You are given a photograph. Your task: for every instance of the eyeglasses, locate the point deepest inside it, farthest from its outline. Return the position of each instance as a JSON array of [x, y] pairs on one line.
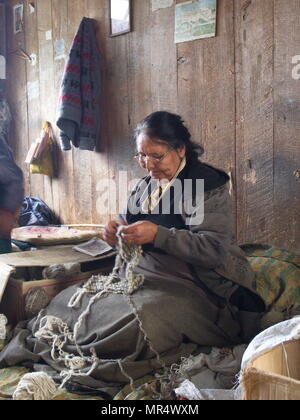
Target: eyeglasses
[[141, 158]]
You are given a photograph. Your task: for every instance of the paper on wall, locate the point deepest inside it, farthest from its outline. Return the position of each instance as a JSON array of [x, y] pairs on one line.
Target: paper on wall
[[33, 90], [161, 4], [33, 59], [59, 49], [48, 35], [31, 7]]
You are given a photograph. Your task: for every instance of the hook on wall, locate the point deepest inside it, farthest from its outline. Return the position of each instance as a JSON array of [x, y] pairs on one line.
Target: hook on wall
[[20, 52]]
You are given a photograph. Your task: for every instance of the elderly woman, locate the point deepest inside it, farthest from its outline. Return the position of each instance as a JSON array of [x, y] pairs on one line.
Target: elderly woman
[[190, 285], [204, 251]]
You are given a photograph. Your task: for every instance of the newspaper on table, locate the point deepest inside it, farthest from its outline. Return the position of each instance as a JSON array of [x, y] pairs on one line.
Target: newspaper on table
[[94, 247]]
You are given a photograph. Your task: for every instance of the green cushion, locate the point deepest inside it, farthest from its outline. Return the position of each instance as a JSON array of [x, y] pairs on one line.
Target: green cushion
[[277, 275], [5, 246]]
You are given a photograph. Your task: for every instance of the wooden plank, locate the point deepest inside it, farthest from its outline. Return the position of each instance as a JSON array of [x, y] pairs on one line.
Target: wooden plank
[[3, 55], [3, 28], [254, 126], [16, 92], [139, 63], [118, 117], [163, 88], [206, 89], [140, 92], [51, 93], [206, 92], [52, 255], [286, 126], [33, 93], [81, 159], [3, 67], [99, 158], [44, 14], [63, 194]]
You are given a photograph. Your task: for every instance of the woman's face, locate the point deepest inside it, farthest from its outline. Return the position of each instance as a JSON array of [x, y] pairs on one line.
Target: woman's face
[[160, 160]]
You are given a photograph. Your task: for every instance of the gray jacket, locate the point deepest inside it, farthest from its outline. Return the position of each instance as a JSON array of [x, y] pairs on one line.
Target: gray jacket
[[210, 247], [11, 179]]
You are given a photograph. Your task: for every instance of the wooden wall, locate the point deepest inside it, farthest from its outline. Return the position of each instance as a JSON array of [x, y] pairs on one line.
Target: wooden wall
[[238, 93]]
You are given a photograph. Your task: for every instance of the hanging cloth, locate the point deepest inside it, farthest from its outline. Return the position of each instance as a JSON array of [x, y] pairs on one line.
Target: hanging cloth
[[78, 107]]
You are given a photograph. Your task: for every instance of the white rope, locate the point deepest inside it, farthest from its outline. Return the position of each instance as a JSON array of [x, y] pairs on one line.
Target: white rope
[[35, 386], [3, 327], [57, 333]]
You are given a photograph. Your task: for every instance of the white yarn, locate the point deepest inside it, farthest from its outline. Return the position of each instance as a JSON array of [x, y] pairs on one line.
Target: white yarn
[[35, 386], [3, 323], [127, 254], [57, 334]]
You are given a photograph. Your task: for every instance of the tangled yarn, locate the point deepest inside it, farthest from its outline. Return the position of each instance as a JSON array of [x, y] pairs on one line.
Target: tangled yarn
[[58, 271], [35, 299], [57, 333], [128, 255], [35, 386], [3, 322]]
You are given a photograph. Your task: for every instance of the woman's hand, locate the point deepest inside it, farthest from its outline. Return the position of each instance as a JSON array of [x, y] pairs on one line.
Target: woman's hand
[[139, 233], [110, 230]]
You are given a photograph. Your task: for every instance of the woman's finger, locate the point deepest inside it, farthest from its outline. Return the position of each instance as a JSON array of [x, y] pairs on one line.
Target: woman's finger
[[129, 238], [128, 229]]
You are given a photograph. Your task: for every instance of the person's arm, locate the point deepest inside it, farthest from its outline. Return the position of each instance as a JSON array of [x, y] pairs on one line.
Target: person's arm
[[11, 185], [203, 244], [11, 194]]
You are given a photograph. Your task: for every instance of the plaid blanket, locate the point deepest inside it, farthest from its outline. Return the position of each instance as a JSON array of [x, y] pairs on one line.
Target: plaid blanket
[[277, 275]]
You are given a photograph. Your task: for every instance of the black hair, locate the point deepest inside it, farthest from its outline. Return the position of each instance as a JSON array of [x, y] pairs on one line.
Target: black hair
[[165, 127]]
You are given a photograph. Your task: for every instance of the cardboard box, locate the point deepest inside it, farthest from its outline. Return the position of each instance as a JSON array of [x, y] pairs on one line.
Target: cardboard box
[[274, 374], [14, 290]]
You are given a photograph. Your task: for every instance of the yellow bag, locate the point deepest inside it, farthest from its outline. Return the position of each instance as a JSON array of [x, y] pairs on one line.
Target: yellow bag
[[43, 164]]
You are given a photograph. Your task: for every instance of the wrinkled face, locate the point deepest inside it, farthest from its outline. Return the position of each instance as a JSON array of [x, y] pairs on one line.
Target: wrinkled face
[[160, 160]]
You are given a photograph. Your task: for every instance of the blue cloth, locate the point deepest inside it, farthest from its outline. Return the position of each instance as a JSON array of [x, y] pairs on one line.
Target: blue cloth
[[35, 212]]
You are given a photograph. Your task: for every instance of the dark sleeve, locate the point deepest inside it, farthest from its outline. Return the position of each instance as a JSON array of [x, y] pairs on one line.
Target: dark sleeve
[[11, 182], [205, 243]]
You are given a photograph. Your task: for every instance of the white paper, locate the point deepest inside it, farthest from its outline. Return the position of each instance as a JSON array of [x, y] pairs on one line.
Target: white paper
[[33, 90], [18, 18], [33, 58], [59, 49], [195, 20], [161, 4], [48, 35], [31, 8], [94, 247]]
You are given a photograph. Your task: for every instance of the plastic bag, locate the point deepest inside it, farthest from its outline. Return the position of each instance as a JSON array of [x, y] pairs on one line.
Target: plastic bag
[[35, 211], [42, 163]]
